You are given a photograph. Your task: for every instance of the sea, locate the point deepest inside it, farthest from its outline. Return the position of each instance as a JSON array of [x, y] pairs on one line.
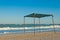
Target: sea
[[29, 28]]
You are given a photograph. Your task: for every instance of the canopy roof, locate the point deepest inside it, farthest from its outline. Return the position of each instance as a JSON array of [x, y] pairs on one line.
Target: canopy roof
[[38, 15]]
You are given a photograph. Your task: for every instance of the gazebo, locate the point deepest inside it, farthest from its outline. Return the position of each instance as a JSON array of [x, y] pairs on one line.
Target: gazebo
[[36, 15]]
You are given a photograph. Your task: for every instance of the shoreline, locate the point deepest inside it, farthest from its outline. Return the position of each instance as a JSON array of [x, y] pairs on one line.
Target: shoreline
[[31, 36]]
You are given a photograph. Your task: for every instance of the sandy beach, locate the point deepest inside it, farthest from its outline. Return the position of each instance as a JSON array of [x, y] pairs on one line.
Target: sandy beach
[[30, 36]]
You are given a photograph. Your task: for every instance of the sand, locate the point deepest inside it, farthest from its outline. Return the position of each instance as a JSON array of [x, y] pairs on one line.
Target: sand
[[31, 36]]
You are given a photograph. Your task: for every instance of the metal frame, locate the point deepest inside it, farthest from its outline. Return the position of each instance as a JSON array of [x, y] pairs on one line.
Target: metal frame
[[39, 23], [53, 24]]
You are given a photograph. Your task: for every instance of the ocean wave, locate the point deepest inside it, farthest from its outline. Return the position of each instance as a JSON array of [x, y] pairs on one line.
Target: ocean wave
[[21, 28]]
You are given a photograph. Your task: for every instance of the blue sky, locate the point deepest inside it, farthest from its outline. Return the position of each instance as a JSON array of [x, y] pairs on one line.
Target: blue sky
[[12, 11]]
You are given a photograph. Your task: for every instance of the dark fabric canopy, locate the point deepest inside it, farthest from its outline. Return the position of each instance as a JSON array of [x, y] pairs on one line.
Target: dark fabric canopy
[[38, 15]]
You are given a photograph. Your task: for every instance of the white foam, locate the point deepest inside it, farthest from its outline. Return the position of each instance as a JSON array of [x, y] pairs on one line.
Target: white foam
[[21, 28], [5, 32], [56, 26], [8, 28], [8, 32]]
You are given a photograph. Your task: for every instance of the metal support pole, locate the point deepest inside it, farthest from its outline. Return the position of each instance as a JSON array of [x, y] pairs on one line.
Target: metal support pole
[[39, 24], [34, 26], [39, 28], [24, 25], [53, 24]]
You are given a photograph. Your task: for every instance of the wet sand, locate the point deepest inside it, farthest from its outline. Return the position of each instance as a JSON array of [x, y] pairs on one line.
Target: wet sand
[[31, 36]]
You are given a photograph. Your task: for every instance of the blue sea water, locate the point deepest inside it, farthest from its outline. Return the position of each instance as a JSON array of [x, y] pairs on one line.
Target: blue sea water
[[11, 29]]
